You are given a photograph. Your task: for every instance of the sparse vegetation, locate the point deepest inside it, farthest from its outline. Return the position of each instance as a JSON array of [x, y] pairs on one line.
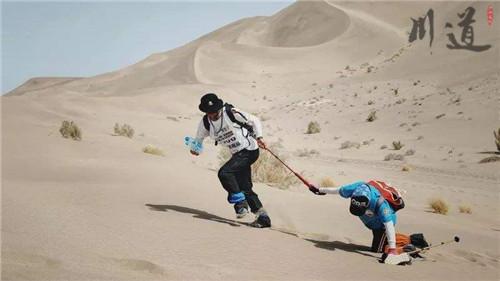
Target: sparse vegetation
[[410, 152], [349, 144], [123, 130], [394, 156], [372, 116], [266, 169], [151, 149], [69, 129], [497, 138], [465, 209], [439, 206], [306, 152], [327, 182], [383, 147], [313, 128], [405, 168], [397, 145]]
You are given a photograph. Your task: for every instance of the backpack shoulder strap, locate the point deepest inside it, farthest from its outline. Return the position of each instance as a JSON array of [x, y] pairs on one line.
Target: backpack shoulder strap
[[229, 111], [228, 108], [206, 124]]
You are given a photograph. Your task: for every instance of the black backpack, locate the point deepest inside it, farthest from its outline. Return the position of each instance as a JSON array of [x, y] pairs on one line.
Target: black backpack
[[228, 108]]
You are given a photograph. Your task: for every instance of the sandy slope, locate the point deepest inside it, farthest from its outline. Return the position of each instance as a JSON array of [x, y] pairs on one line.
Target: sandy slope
[[101, 209]]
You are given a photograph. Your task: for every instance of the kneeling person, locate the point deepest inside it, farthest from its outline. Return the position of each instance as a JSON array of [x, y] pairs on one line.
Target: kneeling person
[[375, 212]]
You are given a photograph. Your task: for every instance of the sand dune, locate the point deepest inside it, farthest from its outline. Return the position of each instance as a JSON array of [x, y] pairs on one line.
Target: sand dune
[[100, 208]]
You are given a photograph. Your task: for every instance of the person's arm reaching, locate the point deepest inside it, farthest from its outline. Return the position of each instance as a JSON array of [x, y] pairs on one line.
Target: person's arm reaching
[[325, 190], [390, 232], [345, 190], [201, 134]]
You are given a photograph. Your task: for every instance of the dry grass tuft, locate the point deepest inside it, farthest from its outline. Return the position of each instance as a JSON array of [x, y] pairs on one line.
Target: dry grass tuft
[[123, 130], [410, 152], [394, 156], [372, 116], [439, 206], [151, 149], [327, 182], [266, 169], [313, 128], [405, 169], [349, 144], [465, 209], [397, 145], [70, 130]]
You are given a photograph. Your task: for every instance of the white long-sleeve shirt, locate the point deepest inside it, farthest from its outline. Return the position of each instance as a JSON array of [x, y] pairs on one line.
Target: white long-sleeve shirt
[[230, 134]]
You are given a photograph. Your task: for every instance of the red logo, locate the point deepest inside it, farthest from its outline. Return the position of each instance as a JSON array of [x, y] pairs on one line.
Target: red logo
[[489, 14]]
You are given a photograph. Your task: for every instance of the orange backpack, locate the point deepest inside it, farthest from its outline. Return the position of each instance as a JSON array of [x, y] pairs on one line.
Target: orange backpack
[[389, 193]]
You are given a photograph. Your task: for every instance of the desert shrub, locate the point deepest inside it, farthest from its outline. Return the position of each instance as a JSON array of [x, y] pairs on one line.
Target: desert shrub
[[383, 146], [349, 144], [70, 130], [439, 206], [405, 169], [465, 209], [497, 138], [313, 128], [327, 182], [394, 156], [267, 169], [410, 152], [372, 116], [123, 130], [397, 145], [151, 149]]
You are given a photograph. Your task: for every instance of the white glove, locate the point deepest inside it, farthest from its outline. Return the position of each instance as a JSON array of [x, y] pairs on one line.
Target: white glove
[[397, 259]]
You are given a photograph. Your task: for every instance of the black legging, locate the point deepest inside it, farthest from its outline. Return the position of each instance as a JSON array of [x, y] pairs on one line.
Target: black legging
[[236, 176], [379, 240]]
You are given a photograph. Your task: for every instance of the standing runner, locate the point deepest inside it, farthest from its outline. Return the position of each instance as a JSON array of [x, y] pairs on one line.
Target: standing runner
[[241, 132]]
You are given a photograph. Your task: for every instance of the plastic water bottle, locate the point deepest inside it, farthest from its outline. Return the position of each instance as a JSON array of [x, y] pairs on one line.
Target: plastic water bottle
[[193, 144]]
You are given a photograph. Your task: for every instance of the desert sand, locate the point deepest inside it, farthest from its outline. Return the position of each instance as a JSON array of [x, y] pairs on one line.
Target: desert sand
[[101, 209]]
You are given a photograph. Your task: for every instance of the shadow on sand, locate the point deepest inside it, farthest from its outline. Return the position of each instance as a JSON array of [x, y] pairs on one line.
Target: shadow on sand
[[327, 245], [196, 214]]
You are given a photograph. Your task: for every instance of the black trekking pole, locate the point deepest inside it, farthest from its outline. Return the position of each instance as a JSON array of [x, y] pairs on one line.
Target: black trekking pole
[[295, 173], [455, 239]]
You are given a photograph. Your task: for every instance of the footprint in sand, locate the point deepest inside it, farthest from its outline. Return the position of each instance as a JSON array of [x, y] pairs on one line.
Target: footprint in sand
[[16, 266], [479, 259]]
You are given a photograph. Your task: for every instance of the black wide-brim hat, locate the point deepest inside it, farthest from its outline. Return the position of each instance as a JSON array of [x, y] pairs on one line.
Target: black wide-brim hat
[[210, 103], [359, 204]]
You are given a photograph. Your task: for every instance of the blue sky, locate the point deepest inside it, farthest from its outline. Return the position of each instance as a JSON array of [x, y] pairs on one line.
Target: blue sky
[[80, 38]]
